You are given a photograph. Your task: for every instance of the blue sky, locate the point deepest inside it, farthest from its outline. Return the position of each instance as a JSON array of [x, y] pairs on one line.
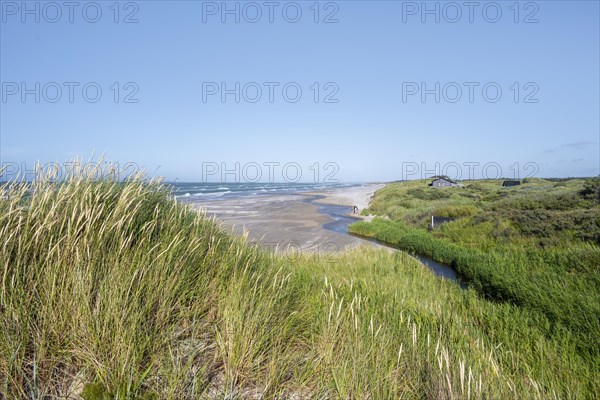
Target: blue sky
[[374, 58]]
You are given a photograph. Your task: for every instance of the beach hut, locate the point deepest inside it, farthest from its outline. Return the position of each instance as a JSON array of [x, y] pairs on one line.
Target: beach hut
[[443, 181]]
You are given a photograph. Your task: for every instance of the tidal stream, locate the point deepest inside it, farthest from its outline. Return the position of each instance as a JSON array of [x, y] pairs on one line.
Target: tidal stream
[[340, 223]]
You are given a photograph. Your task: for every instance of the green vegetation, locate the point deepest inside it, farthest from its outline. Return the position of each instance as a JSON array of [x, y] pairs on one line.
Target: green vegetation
[[533, 245], [112, 290]]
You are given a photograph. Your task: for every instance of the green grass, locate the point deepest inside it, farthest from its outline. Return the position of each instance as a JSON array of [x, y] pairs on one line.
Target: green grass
[[112, 290], [548, 265]]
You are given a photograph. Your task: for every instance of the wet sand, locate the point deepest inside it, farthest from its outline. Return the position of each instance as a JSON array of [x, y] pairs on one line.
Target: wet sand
[[290, 222], [359, 196]]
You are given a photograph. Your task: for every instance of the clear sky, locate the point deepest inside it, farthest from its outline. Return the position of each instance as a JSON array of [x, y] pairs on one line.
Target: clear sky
[[371, 60]]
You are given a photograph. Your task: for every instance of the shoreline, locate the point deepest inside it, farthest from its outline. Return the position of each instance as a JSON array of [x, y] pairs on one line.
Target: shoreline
[[291, 222], [359, 196]]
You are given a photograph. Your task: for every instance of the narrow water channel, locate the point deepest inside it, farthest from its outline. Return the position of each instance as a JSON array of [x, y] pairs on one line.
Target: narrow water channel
[[340, 223]]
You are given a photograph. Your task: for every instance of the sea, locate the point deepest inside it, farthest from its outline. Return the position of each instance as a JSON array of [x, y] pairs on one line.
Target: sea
[[222, 190]]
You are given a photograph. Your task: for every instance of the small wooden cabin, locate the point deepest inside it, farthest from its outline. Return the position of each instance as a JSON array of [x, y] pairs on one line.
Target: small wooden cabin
[[443, 181]]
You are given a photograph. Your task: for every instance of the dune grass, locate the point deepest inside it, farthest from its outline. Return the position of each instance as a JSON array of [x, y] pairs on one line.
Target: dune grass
[[113, 290], [534, 245]]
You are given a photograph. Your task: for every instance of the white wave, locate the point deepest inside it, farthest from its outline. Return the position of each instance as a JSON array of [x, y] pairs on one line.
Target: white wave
[[214, 194]]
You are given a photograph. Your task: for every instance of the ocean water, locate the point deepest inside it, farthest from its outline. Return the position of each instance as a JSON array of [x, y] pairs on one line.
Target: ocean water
[[212, 190]]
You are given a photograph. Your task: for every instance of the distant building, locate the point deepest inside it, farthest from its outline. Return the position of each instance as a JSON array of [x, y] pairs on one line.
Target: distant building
[[443, 181], [510, 183]]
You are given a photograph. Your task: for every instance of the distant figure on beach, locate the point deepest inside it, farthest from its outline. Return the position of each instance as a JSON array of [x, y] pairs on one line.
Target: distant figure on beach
[[354, 209]]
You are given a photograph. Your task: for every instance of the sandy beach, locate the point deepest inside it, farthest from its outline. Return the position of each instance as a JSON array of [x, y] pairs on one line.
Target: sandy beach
[[291, 222], [359, 196]]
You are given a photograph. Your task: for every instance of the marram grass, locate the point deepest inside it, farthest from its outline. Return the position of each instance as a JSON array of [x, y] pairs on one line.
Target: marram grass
[[113, 290]]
